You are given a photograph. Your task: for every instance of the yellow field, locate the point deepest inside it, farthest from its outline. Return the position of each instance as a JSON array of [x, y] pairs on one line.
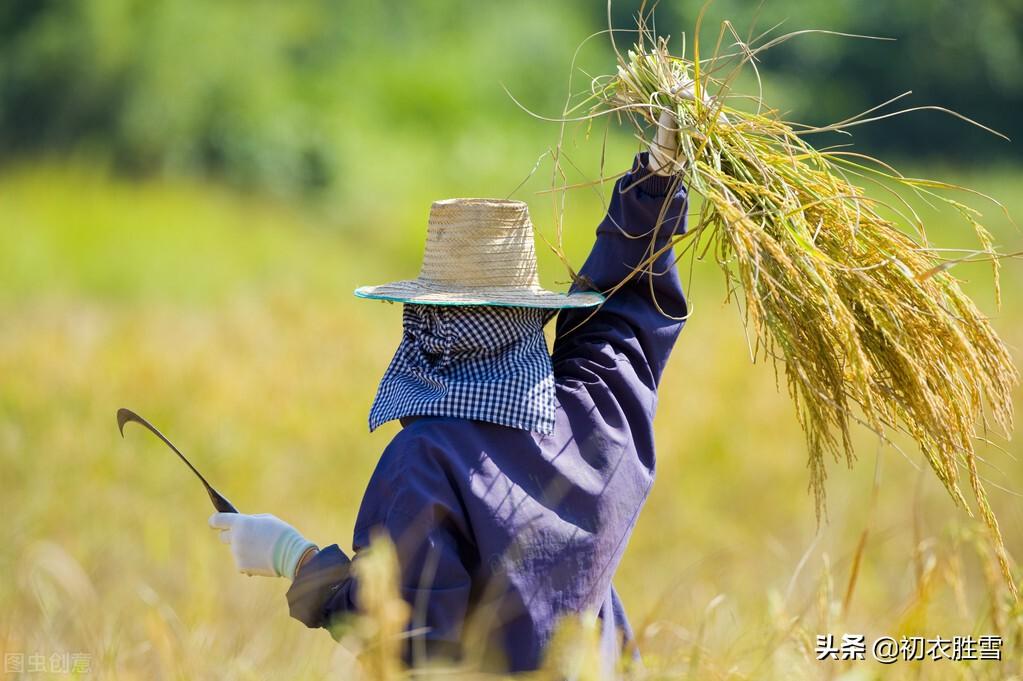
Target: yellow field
[[229, 322]]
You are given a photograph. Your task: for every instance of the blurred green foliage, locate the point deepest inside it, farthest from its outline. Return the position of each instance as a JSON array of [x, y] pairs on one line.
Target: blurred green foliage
[[291, 97]]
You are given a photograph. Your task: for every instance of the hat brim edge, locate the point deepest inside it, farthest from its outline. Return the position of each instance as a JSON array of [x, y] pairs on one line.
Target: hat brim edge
[[421, 296]]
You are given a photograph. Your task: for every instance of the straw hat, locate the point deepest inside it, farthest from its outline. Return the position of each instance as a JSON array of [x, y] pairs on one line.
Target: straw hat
[[478, 252]]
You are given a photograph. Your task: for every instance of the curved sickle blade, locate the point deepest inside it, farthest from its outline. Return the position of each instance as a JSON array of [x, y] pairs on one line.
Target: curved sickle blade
[[220, 502]]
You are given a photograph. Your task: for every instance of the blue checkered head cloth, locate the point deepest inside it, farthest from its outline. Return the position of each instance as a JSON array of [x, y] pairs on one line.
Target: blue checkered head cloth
[[476, 362]]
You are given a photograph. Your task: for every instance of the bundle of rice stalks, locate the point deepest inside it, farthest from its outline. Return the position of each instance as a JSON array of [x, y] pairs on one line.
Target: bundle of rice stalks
[[866, 320]]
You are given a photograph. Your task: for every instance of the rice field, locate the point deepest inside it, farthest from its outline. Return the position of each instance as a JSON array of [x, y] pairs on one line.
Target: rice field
[[228, 320]]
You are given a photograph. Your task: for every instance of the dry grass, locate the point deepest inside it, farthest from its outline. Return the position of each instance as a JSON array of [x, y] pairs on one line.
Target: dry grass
[[866, 320], [260, 364]]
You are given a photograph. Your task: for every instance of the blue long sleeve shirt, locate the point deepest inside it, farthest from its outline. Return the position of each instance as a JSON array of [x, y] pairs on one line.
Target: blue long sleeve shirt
[[500, 532]]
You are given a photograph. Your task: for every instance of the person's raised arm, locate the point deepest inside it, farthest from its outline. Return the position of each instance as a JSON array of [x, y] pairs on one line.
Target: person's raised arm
[[626, 342]]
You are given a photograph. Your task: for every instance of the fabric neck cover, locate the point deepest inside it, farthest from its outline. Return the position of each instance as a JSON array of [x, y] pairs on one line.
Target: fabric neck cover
[[482, 363]]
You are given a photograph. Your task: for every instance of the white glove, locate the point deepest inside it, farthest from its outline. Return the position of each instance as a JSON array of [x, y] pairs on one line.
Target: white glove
[[664, 149], [664, 157], [262, 544]]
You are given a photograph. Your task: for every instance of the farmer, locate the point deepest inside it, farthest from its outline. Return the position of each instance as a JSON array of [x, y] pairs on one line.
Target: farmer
[[513, 487]]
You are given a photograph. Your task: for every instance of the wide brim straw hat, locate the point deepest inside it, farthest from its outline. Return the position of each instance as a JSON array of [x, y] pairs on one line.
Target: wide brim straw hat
[[479, 252]]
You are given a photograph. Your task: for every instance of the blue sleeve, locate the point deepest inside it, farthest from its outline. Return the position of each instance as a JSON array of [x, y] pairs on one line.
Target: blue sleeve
[[623, 346], [322, 589], [409, 497]]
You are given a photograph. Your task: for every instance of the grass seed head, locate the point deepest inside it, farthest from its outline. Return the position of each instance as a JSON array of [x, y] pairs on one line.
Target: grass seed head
[[866, 320]]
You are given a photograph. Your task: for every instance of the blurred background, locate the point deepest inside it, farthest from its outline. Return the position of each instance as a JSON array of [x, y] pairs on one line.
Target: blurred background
[[189, 192]]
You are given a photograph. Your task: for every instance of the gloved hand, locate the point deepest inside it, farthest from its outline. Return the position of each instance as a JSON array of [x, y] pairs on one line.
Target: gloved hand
[[262, 544], [664, 157]]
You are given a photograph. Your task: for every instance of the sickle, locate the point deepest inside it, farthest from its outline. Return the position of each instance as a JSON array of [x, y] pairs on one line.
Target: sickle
[[220, 502]]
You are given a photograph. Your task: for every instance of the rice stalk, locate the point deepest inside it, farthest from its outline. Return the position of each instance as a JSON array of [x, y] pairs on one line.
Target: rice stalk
[[385, 613], [867, 321]]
